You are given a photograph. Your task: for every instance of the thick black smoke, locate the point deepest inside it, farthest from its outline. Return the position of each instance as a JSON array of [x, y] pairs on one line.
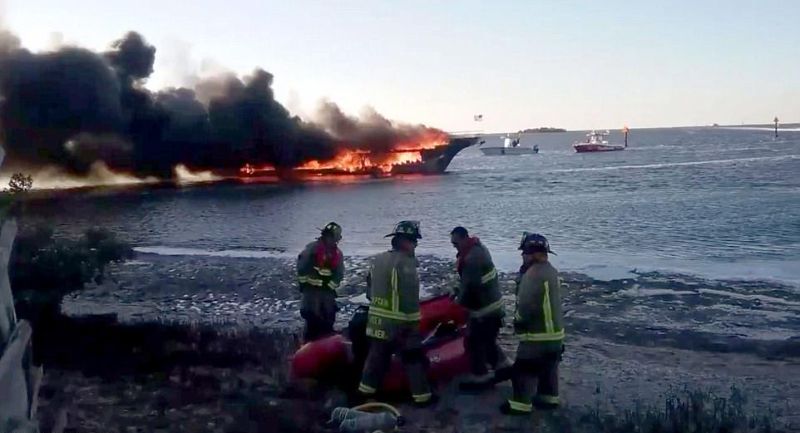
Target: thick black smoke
[[371, 131], [49, 99], [73, 107]]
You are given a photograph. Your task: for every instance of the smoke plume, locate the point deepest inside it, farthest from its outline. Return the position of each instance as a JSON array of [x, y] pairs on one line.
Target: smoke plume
[[75, 110], [371, 131]]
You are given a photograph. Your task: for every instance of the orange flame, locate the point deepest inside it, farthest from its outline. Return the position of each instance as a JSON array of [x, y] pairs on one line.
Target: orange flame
[[358, 161]]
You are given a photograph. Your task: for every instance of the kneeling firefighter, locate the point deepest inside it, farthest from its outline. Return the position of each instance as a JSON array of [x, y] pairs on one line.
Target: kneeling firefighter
[[479, 293], [394, 315], [538, 323], [320, 269]]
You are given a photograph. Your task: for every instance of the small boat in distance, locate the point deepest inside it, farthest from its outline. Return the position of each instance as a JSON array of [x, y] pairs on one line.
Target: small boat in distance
[[598, 142], [511, 146]]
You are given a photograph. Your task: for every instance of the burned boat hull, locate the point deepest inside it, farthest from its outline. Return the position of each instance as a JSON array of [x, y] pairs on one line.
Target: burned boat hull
[[431, 161], [436, 160]]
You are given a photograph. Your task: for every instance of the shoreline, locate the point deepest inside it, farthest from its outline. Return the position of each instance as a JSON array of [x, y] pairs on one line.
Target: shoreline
[[590, 267], [221, 306], [650, 309]]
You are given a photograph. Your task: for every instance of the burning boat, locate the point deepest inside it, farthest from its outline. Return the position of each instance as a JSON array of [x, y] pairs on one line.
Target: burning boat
[[430, 157]]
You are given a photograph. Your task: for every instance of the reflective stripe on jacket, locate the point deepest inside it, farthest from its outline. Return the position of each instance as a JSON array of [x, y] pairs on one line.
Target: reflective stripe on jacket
[[479, 290], [394, 294], [309, 275], [539, 317]]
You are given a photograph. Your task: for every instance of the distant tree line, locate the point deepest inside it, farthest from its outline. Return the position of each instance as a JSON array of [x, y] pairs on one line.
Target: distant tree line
[[542, 129]]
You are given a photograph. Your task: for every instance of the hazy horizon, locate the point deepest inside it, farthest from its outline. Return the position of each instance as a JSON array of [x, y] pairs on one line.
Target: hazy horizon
[[572, 65]]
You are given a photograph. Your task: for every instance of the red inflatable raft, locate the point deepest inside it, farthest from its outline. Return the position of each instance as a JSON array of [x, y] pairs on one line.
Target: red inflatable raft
[[442, 324]]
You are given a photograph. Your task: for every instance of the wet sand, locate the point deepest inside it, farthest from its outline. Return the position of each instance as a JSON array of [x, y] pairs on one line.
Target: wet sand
[[610, 366]]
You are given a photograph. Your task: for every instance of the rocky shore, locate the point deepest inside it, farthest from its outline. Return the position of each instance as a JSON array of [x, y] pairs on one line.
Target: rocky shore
[[198, 343]]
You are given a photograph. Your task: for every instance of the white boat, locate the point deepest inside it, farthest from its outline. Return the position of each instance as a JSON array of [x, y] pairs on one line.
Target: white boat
[[511, 146]]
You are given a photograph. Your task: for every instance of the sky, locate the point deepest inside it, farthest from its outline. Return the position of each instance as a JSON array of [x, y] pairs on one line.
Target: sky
[[521, 64]]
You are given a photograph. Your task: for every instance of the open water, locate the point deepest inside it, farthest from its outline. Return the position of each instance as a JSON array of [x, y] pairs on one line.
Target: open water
[[702, 223]]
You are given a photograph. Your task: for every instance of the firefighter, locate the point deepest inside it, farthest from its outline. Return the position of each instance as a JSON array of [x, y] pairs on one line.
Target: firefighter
[[394, 315], [320, 268], [479, 293], [538, 323]]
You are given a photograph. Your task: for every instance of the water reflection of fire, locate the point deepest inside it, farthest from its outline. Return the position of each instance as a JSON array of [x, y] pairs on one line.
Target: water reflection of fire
[[361, 161]]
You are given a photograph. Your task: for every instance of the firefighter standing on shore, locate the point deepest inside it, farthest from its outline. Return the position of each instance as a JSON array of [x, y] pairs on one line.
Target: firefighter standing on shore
[[394, 315], [538, 323], [320, 269], [479, 293]]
